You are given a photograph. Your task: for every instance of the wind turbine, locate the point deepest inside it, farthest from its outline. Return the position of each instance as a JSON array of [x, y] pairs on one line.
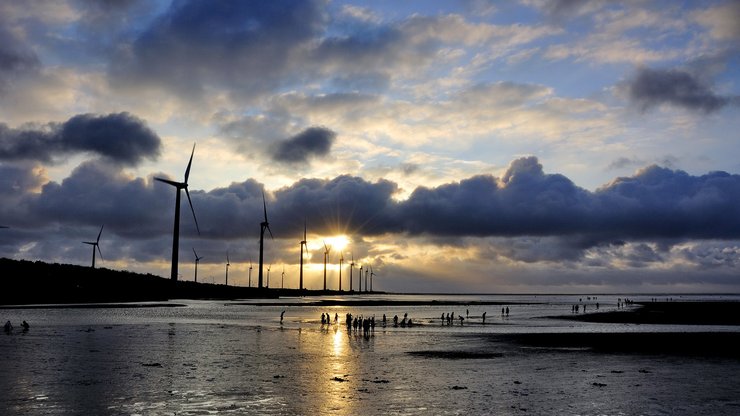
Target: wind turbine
[[265, 225], [95, 245], [341, 260], [351, 266], [227, 267], [282, 279], [359, 279], [197, 260], [326, 254], [366, 272], [371, 278], [176, 233], [250, 272], [268, 276], [303, 243]]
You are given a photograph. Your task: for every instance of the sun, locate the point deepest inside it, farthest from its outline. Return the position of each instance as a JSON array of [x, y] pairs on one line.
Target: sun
[[337, 243]]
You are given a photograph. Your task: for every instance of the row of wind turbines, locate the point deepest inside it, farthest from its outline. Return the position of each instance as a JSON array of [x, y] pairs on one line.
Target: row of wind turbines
[[264, 226]]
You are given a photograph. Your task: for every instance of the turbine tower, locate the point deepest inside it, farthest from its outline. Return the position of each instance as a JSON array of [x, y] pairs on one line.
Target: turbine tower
[[268, 276], [371, 278], [359, 280], [303, 243], [227, 267], [250, 273], [366, 272], [176, 233], [326, 254], [282, 279], [264, 225], [351, 266], [197, 260], [95, 245], [341, 260]]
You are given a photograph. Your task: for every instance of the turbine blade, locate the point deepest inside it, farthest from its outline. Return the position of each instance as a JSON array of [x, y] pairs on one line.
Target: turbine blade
[[99, 252], [196, 254], [101, 232], [192, 210], [264, 205], [304, 229], [187, 171], [270, 231], [169, 182], [227, 258]]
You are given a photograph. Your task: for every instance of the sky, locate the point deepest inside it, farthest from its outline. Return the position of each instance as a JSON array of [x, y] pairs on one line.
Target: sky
[[526, 146]]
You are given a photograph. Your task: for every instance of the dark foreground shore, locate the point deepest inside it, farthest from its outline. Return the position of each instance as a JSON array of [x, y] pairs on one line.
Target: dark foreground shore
[[666, 313]]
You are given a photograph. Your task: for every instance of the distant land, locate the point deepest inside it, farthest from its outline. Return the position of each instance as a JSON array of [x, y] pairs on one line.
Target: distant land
[[34, 282]]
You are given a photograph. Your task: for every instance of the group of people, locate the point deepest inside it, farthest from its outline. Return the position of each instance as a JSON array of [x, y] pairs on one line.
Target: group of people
[[449, 319], [365, 325], [9, 327]]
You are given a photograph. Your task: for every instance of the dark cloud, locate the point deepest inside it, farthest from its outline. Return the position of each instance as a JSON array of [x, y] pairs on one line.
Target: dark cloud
[[653, 87], [16, 59], [14, 55], [310, 143], [246, 47], [656, 203], [121, 138], [524, 201], [345, 204]]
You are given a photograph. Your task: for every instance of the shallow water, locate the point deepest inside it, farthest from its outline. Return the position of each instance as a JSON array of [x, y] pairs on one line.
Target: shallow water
[[231, 358]]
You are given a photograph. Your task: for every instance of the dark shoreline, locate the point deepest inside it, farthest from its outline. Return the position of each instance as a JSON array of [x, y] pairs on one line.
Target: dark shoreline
[[667, 313]]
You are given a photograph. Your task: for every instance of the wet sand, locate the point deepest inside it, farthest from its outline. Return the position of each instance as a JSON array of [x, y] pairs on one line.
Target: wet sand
[[206, 358]]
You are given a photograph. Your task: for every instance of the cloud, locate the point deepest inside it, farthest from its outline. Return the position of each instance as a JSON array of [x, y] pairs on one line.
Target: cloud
[[121, 138], [16, 59], [244, 47], [310, 143], [652, 87], [721, 20]]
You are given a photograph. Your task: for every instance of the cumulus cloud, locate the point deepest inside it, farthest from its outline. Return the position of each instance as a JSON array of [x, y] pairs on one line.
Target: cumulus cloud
[[310, 143], [121, 138], [652, 87]]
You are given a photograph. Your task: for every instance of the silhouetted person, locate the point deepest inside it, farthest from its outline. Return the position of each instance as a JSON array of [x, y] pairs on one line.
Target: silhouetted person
[[507, 311], [281, 316], [443, 318], [411, 322], [8, 326], [467, 313], [336, 317], [484, 317], [461, 320], [323, 319], [384, 320]]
